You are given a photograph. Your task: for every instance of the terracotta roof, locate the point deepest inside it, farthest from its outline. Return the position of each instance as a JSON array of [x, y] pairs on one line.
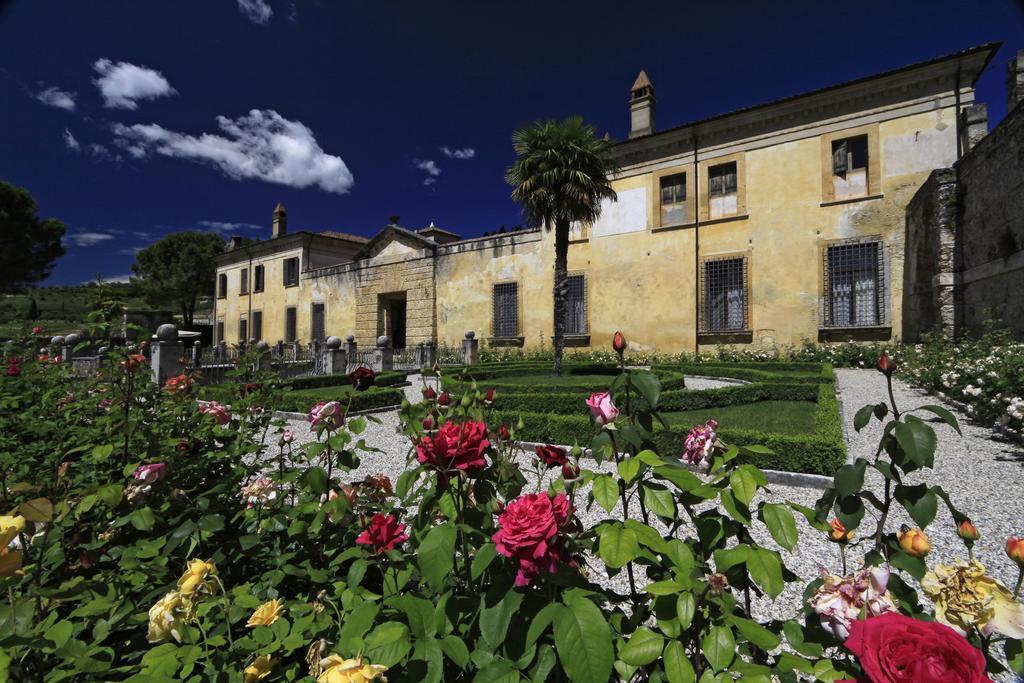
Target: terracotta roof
[[642, 81], [344, 236]]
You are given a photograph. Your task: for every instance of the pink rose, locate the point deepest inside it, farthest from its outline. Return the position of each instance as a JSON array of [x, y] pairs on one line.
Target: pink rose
[[455, 446], [326, 415], [287, 436], [218, 411], [529, 533], [601, 408], [700, 443], [150, 474], [384, 533]]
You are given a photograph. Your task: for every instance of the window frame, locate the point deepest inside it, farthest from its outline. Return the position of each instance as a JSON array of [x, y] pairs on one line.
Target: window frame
[[218, 331], [285, 269], [243, 329], [882, 286], [258, 278], [705, 300], [257, 325], [873, 174], [222, 285], [725, 191], [518, 332], [312, 321], [586, 305], [291, 328], [704, 195], [243, 281]]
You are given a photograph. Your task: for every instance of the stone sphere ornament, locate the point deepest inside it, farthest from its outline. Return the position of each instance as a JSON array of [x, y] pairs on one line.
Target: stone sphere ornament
[[72, 339], [382, 341], [333, 342], [350, 338], [167, 333], [470, 334], [57, 341]]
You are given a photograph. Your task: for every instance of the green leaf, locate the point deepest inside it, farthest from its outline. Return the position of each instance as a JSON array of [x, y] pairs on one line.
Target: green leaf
[[658, 500], [643, 647], [679, 475], [484, 556], [719, 647], [388, 644], [914, 566], [919, 501], [606, 491], [455, 650], [143, 519], [668, 587], [795, 637], [354, 627], [648, 385], [755, 633], [619, 545], [863, 416], [497, 671], [849, 479], [743, 486], [648, 536], [541, 621], [850, 510], [1015, 656], [686, 607], [726, 558], [315, 479], [584, 641], [419, 612], [736, 510], [946, 416], [765, 569], [436, 555], [101, 452], [917, 440], [629, 468], [59, 633], [677, 666], [494, 620], [781, 524], [211, 522]]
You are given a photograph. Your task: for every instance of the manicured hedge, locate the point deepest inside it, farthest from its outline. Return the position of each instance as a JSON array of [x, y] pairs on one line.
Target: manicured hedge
[[383, 379], [300, 402]]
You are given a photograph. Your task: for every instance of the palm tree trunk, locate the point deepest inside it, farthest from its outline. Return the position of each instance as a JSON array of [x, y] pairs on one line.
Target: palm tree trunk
[[560, 289]]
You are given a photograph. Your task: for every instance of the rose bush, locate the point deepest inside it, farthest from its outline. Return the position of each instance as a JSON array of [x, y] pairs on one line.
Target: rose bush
[[148, 536]]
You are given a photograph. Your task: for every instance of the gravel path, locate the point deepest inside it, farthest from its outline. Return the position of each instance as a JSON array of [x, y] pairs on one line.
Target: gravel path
[[981, 471]]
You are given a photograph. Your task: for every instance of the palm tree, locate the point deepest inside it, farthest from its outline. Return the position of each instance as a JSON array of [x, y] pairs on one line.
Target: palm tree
[[560, 176]]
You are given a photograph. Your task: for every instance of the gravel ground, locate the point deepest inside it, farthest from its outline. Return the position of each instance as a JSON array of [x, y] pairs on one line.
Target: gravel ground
[[978, 470]]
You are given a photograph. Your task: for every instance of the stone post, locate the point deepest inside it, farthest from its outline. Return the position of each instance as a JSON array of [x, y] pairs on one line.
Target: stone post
[[222, 348], [417, 357], [974, 125], [335, 360], [263, 357], [67, 349], [470, 348], [197, 354], [429, 354], [350, 350], [383, 356], [166, 353]]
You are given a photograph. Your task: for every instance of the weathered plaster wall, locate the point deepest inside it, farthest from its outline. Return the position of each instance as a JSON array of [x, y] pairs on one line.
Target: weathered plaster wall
[[272, 301]]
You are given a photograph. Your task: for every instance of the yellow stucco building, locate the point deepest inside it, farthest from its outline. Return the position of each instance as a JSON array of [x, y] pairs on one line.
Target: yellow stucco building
[[771, 225]]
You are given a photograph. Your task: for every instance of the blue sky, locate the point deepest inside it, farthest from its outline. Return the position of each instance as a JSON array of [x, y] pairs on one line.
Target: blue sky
[[129, 120]]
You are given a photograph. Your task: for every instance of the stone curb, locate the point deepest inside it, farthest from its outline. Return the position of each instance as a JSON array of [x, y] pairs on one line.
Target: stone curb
[[781, 477], [962, 407]]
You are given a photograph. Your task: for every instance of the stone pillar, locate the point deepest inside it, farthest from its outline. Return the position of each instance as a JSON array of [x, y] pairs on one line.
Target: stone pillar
[[973, 125], [166, 353], [470, 348], [197, 354], [1015, 81], [222, 349], [335, 360], [418, 355], [383, 356], [350, 350], [263, 357], [67, 348], [56, 344], [429, 354]]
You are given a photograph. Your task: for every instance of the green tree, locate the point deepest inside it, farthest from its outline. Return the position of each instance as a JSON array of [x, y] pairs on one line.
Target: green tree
[[560, 176], [177, 270], [33, 309], [29, 246]]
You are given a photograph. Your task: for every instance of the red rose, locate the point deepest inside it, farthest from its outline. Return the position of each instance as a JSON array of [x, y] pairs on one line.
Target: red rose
[[362, 378], [528, 533], [504, 433], [384, 533], [893, 648], [886, 365], [552, 456], [429, 394], [619, 342], [455, 446], [489, 396], [444, 399]]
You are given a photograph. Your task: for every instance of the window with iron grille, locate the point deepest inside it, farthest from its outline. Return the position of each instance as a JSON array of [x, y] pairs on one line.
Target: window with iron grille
[[854, 285], [722, 179], [291, 323], [222, 286], [318, 333], [243, 281], [257, 279], [257, 325], [505, 312], [673, 199], [724, 289], [291, 271], [243, 329], [576, 305]]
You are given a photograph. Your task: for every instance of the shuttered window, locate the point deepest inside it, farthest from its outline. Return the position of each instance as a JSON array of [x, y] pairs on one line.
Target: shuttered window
[[576, 305], [291, 323], [673, 199], [243, 281], [257, 325], [505, 310], [854, 285], [220, 332], [850, 154], [222, 286], [243, 330], [291, 272], [722, 179], [257, 279], [725, 293], [318, 333]]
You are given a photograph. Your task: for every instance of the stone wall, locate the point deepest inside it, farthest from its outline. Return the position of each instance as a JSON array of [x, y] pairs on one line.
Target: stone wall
[[965, 234]]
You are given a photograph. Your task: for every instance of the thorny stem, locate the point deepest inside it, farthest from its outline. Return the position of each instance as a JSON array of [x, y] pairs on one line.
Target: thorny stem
[[227, 610], [1020, 579], [625, 515], [888, 484]]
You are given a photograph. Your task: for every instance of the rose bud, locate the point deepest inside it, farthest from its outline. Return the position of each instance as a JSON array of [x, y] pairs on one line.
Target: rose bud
[[429, 394], [444, 399], [429, 425], [619, 343], [489, 396], [968, 532], [886, 365], [839, 534], [37, 330], [570, 471], [914, 542], [504, 433], [1015, 549]]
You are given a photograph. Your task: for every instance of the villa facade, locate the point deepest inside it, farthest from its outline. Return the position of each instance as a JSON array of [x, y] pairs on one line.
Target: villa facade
[[772, 225]]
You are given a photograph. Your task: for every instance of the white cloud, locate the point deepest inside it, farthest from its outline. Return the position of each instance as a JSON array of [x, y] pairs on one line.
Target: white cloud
[[465, 153], [222, 226], [123, 84], [55, 97], [429, 180], [430, 168], [98, 150], [70, 141], [130, 251], [257, 11], [89, 239], [112, 279], [262, 145]]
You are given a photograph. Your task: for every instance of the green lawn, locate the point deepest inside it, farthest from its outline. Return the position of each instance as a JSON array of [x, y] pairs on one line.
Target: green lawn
[[781, 417], [567, 380]]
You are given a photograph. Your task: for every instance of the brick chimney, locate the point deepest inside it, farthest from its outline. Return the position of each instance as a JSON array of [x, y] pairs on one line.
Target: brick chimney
[[1015, 80], [973, 125], [280, 222], [641, 107]]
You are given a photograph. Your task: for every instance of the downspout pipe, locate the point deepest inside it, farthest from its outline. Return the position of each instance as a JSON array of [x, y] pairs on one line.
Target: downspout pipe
[[696, 248], [959, 137]]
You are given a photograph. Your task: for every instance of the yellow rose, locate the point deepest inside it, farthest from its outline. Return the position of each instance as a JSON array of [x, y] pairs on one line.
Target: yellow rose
[[10, 562], [266, 614], [336, 669], [167, 616], [914, 542], [966, 598], [9, 528], [194, 577], [260, 668]]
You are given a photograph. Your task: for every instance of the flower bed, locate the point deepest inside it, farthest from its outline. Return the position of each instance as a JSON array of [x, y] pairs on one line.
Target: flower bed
[[299, 393]]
